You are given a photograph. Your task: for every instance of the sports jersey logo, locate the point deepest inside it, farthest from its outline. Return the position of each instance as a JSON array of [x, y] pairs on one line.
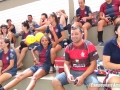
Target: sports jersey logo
[[56, 30], [82, 54], [113, 5], [11, 55], [7, 58]]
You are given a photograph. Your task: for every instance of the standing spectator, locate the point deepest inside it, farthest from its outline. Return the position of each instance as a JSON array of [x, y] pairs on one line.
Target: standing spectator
[[80, 63], [109, 12], [58, 29], [111, 59], [8, 61], [21, 52], [32, 23], [43, 19], [83, 17], [6, 34]]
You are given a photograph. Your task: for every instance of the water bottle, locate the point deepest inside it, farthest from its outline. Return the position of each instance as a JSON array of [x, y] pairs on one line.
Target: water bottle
[[57, 70]]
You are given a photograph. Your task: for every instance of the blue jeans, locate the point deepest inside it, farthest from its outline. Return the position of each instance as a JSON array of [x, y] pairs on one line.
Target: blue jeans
[[92, 78]]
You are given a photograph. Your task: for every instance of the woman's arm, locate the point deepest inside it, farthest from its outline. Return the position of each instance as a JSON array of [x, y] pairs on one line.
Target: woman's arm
[[10, 66], [10, 36], [10, 28], [1, 65], [108, 64], [63, 36]]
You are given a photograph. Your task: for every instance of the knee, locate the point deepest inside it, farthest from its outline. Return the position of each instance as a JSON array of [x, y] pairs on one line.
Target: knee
[[53, 51], [100, 23], [35, 77], [56, 83], [24, 50], [76, 24], [19, 77], [114, 79], [84, 28]]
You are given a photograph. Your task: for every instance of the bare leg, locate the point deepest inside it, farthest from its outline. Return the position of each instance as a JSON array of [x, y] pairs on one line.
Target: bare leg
[[101, 24], [116, 80], [40, 73], [54, 51], [22, 55], [85, 27], [20, 77], [77, 24], [116, 21], [4, 77], [41, 29], [57, 85]]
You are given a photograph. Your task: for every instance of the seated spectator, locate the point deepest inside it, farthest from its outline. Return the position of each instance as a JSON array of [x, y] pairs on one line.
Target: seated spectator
[[79, 64], [21, 53], [111, 59], [8, 61], [6, 34], [83, 17], [41, 67], [58, 29], [43, 23], [43, 19], [32, 24], [11, 27], [109, 12], [62, 18]]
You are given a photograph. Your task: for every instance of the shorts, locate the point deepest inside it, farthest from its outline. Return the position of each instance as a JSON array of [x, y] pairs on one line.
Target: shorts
[[44, 67], [61, 44], [89, 21], [92, 78], [12, 72]]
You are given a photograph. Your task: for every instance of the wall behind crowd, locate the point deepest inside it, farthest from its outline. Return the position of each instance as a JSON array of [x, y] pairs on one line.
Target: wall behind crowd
[[19, 14]]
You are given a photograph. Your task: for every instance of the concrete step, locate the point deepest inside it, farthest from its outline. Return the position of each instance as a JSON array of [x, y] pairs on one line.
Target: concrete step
[[108, 33], [45, 83]]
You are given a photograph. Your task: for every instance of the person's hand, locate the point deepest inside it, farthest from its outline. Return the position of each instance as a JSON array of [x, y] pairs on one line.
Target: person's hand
[[3, 71], [35, 60], [84, 19], [106, 19], [54, 44], [80, 80], [70, 78]]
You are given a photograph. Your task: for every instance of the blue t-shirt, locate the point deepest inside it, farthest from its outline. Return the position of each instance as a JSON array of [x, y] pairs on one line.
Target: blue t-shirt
[[11, 55], [24, 35], [47, 61], [112, 49], [58, 30]]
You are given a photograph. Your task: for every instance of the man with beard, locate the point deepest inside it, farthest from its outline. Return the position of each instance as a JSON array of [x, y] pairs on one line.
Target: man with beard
[[79, 64]]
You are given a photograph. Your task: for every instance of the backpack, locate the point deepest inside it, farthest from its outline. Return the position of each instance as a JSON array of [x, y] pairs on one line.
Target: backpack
[[95, 18]]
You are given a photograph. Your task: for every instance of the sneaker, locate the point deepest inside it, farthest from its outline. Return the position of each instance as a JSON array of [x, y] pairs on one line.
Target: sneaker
[[100, 44]]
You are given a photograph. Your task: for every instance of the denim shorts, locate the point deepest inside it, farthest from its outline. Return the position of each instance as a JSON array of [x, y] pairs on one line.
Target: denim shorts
[[92, 78], [44, 67]]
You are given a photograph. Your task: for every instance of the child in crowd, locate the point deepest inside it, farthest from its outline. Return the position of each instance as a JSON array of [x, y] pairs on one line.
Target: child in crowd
[[8, 61]]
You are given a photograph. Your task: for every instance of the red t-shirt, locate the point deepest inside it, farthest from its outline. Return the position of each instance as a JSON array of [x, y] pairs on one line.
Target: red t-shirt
[[81, 56], [42, 57], [82, 13], [5, 61]]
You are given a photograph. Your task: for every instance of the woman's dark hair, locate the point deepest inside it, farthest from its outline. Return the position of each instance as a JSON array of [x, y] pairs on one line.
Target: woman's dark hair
[[55, 16], [5, 26], [47, 38], [116, 28], [7, 40], [26, 24], [44, 15]]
